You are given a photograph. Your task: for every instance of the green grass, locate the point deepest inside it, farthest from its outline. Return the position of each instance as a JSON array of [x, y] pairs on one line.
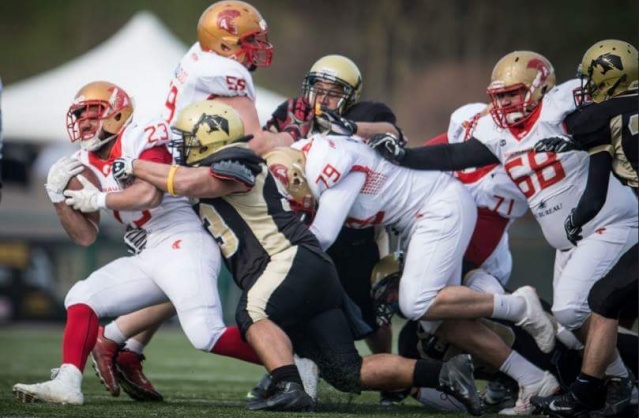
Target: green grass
[[193, 383]]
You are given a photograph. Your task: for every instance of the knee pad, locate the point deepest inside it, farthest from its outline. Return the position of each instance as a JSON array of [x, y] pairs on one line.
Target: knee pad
[[571, 318], [201, 335], [480, 281], [414, 309]]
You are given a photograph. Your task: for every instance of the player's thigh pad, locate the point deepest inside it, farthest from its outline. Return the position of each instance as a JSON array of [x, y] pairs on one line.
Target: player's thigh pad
[[187, 272], [118, 288], [437, 244], [578, 269]]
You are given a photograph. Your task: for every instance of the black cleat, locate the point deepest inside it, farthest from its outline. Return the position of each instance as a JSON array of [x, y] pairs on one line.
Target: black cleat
[[618, 394], [559, 406], [456, 379], [285, 396], [261, 388]]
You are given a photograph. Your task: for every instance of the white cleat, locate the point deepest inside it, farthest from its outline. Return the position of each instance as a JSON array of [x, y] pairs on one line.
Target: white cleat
[[309, 372], [535, 321], [545, 387], [64, 388]]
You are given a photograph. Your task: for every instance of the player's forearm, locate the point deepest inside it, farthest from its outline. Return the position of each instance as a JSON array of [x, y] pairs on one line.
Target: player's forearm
[[140, 195], [594, 196], [265, 141], [77, 226], [449, 157]]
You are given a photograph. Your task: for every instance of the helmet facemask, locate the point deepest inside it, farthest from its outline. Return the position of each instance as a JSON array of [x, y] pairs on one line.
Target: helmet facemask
[[87, 122], [340, 90], [256, 48], [518, 111]]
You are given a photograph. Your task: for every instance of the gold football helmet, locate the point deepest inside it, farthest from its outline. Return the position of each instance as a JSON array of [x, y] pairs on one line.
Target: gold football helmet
[[527, 73], [236, 30], [385, 287], [334, 69], [287, 165], [203, 128], [99, 112], [608, 69]]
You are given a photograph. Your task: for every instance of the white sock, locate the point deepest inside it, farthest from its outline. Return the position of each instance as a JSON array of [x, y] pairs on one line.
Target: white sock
[[617, 368], [113, 333], [134, 345], [520, 369], [509, 307]]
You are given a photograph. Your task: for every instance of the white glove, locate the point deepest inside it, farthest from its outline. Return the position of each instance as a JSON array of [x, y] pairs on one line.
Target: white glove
[[86, 200], [59, 175]]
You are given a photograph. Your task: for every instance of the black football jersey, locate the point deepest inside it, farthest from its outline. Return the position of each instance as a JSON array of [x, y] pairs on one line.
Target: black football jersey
[[610, 126], [253, 226]]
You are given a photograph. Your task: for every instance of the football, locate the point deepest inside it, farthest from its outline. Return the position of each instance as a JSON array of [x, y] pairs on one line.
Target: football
[[74, 184]]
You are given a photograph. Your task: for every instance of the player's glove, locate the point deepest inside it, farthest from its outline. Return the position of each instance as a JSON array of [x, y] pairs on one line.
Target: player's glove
[[59, 175], [331, 123], [556, 144], [86, 200], [135, 239], [573, 232], [235, 163], [296, 121], [389, 146], [122, 170]]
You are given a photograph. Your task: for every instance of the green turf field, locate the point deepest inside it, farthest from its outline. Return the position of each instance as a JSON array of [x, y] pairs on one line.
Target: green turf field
[[193, 383]]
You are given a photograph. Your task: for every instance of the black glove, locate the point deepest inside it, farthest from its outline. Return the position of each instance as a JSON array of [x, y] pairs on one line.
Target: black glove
[[556, 144], [331, 123], [296, 118], [122, 170], [573, 232], [236, 163], [388, 146]]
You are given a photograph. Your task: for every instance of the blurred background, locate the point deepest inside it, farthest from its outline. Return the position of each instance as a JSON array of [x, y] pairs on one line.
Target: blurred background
[[423, 58]]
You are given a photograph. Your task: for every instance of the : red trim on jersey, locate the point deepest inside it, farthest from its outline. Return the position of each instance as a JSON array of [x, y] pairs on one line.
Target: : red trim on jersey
[[439, 139], [306, 148], [475, 175], [104, 166], [488, 231], [212, 96]]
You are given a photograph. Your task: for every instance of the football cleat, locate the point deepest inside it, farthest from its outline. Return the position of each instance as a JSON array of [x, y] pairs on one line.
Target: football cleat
[[103, 357], [547, 386], [456, 379], [535, 321], [390, 398], [63, 388], [559, 406], [285, 396], [618, 397], [131, 378], [261, 388]]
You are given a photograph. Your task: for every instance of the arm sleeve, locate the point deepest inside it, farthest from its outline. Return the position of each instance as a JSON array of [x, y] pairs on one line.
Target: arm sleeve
[[594, 197], [449, 157], [334, 205]]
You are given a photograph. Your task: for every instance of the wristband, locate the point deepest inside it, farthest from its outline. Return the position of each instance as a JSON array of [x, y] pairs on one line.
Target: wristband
[[170, 178], [101, 200]]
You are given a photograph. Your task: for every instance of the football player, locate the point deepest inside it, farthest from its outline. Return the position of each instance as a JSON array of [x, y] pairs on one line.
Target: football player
[[607, 129], [291, 296], [434, 216], [232, 42], [162, 230], [330, 103], [526, 108]]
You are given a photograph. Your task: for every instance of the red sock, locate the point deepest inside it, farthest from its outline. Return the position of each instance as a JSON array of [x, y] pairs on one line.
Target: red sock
[[230, 344], [80, 335]]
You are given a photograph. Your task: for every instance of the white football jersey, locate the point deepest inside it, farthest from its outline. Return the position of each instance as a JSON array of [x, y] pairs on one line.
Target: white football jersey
[[202, 75], [391, 195], [490, 186], [553, 183], [175, 213]]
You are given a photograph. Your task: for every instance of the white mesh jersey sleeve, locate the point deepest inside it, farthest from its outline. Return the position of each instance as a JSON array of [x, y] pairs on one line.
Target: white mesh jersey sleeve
[[203, 75], [461, 123]]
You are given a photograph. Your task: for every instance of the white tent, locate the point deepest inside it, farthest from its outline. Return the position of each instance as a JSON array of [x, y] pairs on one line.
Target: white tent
[[140, 57]]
